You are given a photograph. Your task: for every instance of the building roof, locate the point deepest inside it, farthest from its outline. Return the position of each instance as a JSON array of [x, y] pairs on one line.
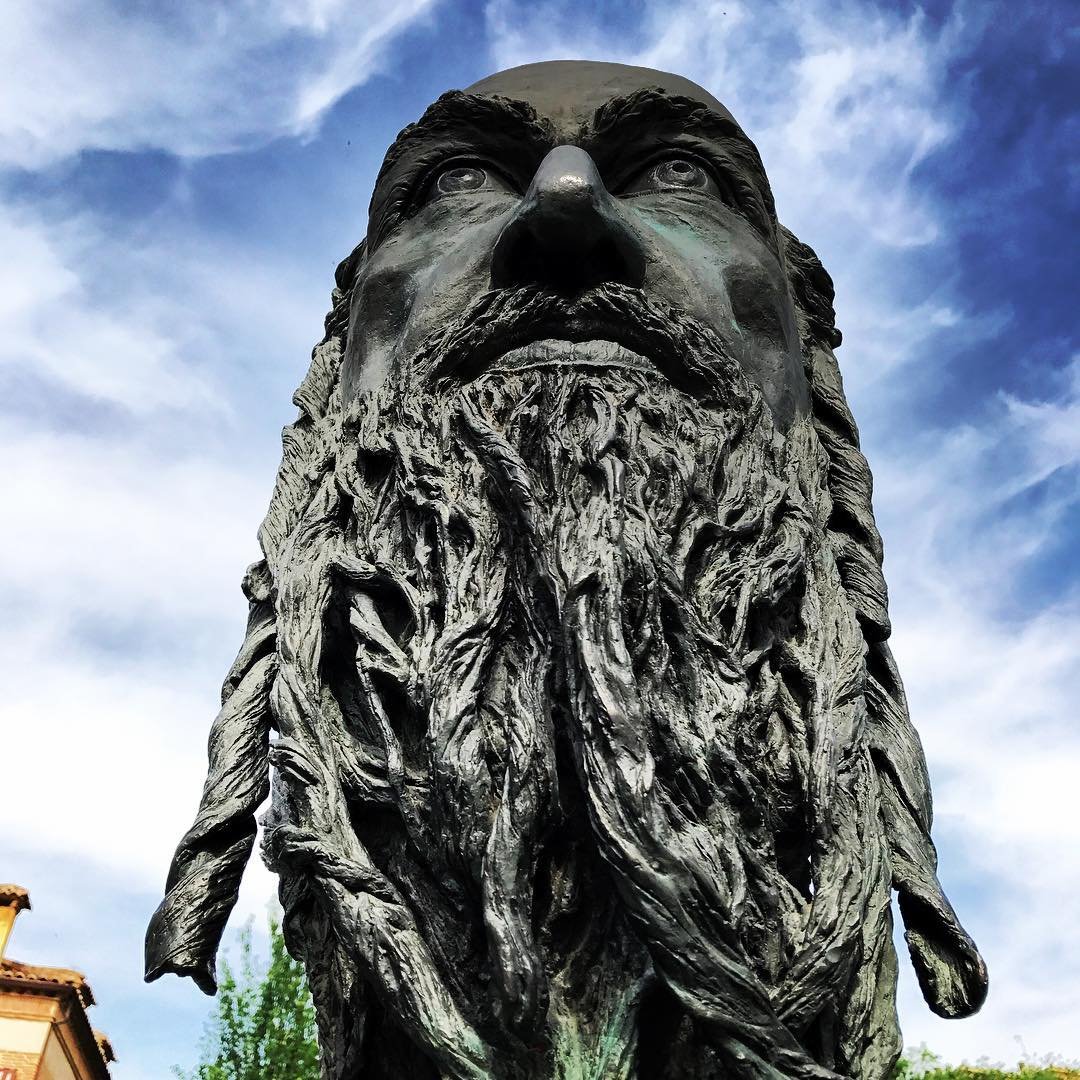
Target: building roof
[[104, 1045], [63, 993], [50, 976], [14, 896]]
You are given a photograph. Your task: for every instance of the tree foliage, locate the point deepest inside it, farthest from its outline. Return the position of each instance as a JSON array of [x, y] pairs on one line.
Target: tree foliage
[[264, 1024], [923, 1064]]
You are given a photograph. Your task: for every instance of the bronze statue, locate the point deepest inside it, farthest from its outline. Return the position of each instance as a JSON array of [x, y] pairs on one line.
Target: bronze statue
[[592, 759]]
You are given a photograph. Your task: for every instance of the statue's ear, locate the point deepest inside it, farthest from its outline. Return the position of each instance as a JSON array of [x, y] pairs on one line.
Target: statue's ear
[[346, 271], [337, 319], [811, 288]]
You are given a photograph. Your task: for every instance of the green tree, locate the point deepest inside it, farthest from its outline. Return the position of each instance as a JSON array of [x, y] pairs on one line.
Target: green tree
[[264, 1025], [923, 1064]]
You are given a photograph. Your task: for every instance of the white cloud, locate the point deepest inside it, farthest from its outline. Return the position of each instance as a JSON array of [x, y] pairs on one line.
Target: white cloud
[[118, 743], [133, 491], [1053, 426], [995, 700], [94, 527], [993, 679], [120, 576], [54, 330], [203, 78]]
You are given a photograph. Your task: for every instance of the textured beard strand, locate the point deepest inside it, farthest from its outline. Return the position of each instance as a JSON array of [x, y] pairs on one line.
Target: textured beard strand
[[657, 550]]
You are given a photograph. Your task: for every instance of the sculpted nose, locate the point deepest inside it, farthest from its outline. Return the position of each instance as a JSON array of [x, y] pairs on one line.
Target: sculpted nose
[[567, 233]]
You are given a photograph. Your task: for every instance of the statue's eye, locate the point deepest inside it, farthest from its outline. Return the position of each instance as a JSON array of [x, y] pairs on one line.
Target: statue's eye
[[681, 172], [459, 178], [678, 174], [454, 178]]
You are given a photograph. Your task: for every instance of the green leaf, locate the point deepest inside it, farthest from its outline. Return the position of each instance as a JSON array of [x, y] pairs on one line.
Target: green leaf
[[263, 1027]]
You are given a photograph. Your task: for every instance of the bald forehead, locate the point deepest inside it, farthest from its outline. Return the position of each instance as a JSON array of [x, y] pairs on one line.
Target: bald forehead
[[568, 92]]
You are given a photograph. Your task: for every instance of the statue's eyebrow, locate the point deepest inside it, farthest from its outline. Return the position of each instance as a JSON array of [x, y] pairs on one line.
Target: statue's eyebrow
[[457, 112], [620, 116], [627, 120], [457, 123]]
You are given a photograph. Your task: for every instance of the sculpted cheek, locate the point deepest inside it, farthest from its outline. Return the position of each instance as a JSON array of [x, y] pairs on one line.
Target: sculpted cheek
[[757, 305], [384, 299], [387, 299], [763, 318], [457, 272], [684, 264], [681, 247]]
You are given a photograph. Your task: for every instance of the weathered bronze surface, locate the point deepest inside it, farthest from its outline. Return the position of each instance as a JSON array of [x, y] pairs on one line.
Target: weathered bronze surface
[[592, 759]]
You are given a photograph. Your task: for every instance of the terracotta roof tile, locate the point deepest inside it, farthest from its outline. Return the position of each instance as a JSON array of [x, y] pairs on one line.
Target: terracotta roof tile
[[104, 1046], [14, 896], [12, 969]]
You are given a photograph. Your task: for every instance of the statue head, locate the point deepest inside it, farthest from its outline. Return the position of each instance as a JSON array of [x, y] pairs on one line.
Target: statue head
[[591, 756], [571, 177]]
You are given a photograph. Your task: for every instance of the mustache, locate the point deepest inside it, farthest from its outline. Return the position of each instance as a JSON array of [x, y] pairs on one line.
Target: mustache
[[687, 352]]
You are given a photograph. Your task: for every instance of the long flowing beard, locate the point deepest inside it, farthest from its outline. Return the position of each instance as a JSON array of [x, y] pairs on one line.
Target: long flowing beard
[[596, 640], [528, 637]]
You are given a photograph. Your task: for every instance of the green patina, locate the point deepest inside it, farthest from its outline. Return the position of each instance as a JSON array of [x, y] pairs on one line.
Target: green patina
[[602, 1053]]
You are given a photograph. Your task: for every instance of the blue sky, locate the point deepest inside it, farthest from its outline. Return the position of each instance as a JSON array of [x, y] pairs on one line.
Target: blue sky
[[177, 183]]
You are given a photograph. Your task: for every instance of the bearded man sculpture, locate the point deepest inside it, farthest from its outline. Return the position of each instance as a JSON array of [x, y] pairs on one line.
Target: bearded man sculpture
[[592, 760]]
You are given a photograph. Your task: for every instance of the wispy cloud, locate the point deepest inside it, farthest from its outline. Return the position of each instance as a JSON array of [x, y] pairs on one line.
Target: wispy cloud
[[124, 537], [55, 332], [133, 488], [193, 79], [993, 680]]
